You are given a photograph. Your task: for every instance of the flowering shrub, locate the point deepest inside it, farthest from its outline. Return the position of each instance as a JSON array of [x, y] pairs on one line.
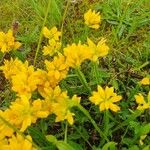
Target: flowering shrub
[[39, 94]]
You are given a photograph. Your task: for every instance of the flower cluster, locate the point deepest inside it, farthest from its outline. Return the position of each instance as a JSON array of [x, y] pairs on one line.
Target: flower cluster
[[54, 43], [27, 80], [7, 42], [17, 142], [38, 92]]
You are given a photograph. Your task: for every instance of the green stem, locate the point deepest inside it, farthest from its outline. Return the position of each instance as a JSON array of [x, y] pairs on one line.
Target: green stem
[[106, 122], [106, 126], [41, 33], [84, 138], [63, 19], [83, 79], [86, 31], [101, 134], [66, 129], [96, 73]]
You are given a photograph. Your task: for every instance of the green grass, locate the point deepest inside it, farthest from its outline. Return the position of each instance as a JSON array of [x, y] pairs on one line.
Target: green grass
[[125, 25]]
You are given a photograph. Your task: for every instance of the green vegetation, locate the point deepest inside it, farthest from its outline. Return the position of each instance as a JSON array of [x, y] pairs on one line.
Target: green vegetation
[[125, 25]]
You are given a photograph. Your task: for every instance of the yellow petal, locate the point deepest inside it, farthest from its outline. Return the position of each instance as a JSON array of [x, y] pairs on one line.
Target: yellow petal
[[102, 106], [139, 99], [114, 107], [145, 81]]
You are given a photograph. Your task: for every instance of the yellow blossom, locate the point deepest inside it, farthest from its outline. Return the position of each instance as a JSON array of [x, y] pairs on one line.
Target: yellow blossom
[[53, 33], [17, 143], [23, 77], [142, 104], [57, 68], [99, 50], [51, 95], [53, 47], [92, 19], [5, 130], [4, 144], [105, 98], [24, 112], [46, 82], [145, 81], [13, 67], [7, 41], [62, 108], [25, 82], [141, 139], [76, 54]]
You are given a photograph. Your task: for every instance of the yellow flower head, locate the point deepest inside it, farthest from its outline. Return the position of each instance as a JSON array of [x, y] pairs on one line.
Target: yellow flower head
[[25, 112], [99, 50], [7, 42], [53, 47], [142, 104], [5, 130], [105, 98], [142, 139], [23, 77], [57, 68], [13, 67], [25, 81], [19, 143], [92, 19], [62, 108], [145, 81], [76, 54], [53, 33], [46, 84]]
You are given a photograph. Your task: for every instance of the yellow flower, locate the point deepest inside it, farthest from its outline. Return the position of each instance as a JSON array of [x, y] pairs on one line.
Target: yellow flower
[[92, 19], [105, 98], [5, 130], [76, 54], [142, 104], [25, 82], [24, 112], [4, 144], [23, 77], [20, 143], [46, 83], [62, 108], [53, 33], [57, 68], [51, 95], [13, 67], [99, 50], [54, 43], [53, 47], [141, 139], [7, 42], [145, 81]]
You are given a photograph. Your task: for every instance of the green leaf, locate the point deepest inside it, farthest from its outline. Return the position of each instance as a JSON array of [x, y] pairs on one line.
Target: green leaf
[[61, 145], [38, 137], [109, 145], [18, 54], [77, 146], [144, 129], [135, 147]]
